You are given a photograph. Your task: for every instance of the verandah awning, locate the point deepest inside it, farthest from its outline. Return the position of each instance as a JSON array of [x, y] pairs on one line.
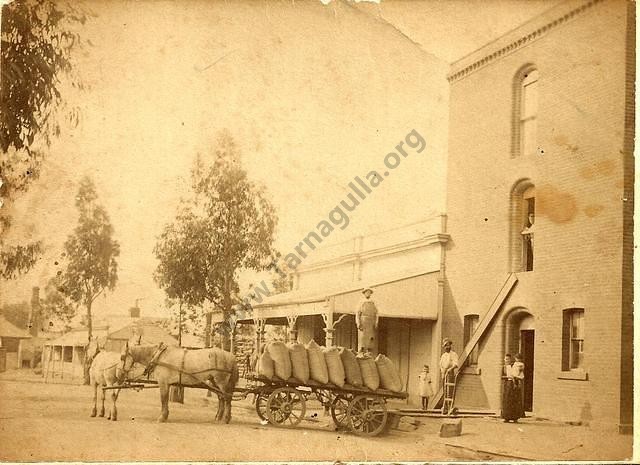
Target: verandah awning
[[405, 297]]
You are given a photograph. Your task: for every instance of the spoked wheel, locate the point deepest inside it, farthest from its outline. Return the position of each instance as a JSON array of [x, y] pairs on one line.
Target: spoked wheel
[[285, 407], [367, 416], [261, 405], [339, 407]]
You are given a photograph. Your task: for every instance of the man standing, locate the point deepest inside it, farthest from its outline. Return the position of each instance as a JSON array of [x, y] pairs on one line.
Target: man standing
[[448, 368], [449, 359], [367, 323]]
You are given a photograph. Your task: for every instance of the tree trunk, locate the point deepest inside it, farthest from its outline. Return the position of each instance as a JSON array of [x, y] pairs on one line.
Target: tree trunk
[[207, 330], [226, 334], [87, 366]]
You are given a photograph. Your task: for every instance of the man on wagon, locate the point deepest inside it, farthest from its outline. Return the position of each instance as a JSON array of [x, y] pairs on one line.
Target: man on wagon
[[367, 323]]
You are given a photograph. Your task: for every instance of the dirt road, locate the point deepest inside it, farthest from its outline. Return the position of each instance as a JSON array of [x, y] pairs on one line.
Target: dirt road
[[47, 422]]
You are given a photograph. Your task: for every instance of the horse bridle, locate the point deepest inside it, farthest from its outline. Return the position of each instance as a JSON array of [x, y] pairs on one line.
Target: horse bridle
[[123, 357]]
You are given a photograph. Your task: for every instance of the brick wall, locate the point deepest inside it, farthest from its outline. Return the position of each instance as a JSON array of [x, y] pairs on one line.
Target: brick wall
[[579, 176]]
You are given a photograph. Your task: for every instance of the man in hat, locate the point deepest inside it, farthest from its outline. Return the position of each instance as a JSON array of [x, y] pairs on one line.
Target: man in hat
[[367, 323], [449, 359], [449, 365]]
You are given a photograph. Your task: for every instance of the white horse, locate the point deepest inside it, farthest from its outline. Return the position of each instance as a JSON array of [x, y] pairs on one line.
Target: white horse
[[211, 368], [106, 371]]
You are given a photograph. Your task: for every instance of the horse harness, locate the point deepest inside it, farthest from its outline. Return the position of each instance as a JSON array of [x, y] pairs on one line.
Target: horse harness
[[155, 362]]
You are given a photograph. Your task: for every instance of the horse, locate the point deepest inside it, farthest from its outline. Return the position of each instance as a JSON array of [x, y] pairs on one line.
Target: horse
[[213, 369], [106, 371]]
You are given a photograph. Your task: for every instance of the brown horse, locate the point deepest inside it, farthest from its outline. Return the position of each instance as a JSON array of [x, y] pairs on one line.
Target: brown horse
[[202, 368]]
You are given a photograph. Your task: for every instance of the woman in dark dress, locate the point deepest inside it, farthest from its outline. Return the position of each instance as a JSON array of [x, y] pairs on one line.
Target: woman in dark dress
[[512, 408]]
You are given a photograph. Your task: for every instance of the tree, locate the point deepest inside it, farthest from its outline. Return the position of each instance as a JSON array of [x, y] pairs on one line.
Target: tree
[[91, 253], [35, 52], [56, 305], [184, 318], [228, 226]]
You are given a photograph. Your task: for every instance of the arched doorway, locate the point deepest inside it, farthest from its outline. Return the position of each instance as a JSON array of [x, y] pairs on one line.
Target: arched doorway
[[521, 338]]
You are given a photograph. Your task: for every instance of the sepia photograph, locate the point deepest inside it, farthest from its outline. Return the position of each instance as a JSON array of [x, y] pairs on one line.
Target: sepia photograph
[[328, 231]]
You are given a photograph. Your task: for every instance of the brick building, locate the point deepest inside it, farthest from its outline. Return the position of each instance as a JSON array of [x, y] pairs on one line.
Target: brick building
[[542, 124], [534, 254]]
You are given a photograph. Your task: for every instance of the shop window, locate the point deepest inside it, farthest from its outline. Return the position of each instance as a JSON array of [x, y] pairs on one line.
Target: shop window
[[80, 354], [523, 217], [471, 323], [57, 353], [67, 354], [573, 339]]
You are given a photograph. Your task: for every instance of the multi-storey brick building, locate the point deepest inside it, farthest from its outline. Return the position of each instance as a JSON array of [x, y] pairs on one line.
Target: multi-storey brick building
[[542, 124], [535, 255]]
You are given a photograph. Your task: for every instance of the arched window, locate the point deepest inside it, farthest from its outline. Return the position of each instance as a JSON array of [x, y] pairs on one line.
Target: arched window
[[525, 140], [523, 210]]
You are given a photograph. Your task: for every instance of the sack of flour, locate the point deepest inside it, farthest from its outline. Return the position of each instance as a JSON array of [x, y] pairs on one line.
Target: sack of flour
[[317, 364], [299, 362], [265, 366], [369, 370], [334, 366], [351, 367], [279, 353], [389, 376]]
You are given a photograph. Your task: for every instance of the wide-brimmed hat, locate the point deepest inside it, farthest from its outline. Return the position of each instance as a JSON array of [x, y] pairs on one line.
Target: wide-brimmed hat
[[446, 341], [367, 288]]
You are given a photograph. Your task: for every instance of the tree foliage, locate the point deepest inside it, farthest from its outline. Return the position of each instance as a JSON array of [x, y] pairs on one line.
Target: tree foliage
[[56, 304], [91, 252], [228, 226], [37, 39]]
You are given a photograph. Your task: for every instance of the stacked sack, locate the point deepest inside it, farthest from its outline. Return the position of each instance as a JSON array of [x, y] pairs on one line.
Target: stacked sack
[[265, 366], [389, 376], [299, 363], [317, 364], [335, 365], [351, 368], [335, 369], [369, 371]]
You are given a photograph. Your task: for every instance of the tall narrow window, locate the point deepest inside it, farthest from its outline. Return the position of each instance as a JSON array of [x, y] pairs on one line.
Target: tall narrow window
[[522, 226], [529, 112], [527, 233], [573, 339], [470, 325]]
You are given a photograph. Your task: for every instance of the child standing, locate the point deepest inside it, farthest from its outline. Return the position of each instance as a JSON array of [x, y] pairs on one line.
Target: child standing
[[517, 370], [425, 386]]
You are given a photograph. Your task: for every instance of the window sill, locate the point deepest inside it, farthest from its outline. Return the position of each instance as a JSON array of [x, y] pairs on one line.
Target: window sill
[[578, 375], [472, 371]]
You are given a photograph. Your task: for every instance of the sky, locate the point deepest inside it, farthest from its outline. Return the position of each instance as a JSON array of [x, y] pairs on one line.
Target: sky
[[313, 94]]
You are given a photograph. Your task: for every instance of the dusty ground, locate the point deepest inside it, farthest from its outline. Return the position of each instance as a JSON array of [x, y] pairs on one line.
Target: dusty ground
[[51, 422], [47, 422]]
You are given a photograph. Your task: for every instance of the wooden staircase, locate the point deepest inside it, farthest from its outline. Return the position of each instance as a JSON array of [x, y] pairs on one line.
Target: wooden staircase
[[499, 299]]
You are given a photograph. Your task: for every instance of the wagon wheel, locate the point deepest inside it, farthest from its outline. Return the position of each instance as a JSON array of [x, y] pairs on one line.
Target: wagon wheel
[[339, 407], [285, 407], [261, 405], [367, 416]]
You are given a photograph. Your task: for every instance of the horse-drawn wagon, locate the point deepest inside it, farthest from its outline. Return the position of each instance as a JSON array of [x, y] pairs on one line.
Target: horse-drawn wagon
[[279, 402], [360, 410]]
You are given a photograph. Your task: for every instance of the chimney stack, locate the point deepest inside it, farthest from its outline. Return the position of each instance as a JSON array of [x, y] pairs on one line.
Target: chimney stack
[[34, 313], [134, 312]]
